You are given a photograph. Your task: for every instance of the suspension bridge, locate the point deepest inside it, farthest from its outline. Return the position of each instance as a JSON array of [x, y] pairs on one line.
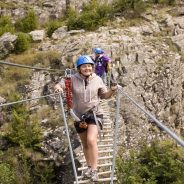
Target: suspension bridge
[[107, 144]]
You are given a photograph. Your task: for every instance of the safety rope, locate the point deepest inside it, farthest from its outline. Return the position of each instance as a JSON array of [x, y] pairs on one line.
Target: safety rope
[[68, 88], [26, 100], [68, 137], [156, 121], [30, 67]]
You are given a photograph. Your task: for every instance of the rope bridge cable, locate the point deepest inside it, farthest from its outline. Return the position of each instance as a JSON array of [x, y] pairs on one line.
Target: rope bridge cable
[[25, 100], [115, 134], [158, 123], [30, 67]]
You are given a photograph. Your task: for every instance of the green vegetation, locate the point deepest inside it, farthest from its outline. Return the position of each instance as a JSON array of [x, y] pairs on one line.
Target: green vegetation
[[22, 42], [6, 25], [52, 26], [27, 23], [6, 174], [162, 162], [21, 162], [133, 7], [21, 165], [168, 2], [93, 15], [23, 130], [47, 59], [11, 78]]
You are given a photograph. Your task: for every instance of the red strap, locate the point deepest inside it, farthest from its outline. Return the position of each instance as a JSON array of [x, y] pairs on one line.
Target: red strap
[[68, 86]]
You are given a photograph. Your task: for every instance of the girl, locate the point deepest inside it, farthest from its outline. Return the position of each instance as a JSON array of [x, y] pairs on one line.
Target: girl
[[87, 90]]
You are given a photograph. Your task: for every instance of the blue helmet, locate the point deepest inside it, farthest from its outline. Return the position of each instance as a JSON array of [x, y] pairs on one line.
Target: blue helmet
[[98, 51], [84, 59]]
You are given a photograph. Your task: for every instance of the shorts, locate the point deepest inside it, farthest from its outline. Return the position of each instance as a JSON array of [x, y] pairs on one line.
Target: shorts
[[89, 120]]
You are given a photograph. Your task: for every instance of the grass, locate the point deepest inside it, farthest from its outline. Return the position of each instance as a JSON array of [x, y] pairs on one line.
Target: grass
[[7, 5], [11, 77], [32, 58]]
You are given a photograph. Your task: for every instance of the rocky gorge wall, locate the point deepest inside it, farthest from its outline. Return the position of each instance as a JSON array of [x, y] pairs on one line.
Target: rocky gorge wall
[[44, 9], [148, 61]]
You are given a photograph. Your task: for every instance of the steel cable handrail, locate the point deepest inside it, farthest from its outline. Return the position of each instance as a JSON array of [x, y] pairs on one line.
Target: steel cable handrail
[[25, 100], [115, 134], [30, 67], [158, 123], [68, 137]]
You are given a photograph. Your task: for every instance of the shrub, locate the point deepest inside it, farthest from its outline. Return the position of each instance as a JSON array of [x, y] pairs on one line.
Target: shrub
[[6, 174], [72, 19], [47, 59], [28, 23], [24, 132], [162, 162], [92, 16], [123, 6], [52, 26], [169, 2], [22, 42], [6, 25]]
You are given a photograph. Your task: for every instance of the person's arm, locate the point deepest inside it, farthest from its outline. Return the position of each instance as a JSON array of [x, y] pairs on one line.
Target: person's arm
[[59, 86], [110, 92]]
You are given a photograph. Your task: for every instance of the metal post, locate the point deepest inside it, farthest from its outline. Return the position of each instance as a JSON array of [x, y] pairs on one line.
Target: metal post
[[68, 137], [115, 134]]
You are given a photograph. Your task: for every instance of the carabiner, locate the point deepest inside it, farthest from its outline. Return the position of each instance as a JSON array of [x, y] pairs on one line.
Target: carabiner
[[68, 73]]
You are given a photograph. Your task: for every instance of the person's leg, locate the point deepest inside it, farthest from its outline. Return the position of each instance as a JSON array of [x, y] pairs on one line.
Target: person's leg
[[83, 137], [92, 154]]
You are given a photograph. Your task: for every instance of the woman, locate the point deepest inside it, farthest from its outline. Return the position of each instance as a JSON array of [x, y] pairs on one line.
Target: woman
[[87, 90]]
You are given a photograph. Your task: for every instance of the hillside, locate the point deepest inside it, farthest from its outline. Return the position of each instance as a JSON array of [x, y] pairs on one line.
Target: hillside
[[147, 52]]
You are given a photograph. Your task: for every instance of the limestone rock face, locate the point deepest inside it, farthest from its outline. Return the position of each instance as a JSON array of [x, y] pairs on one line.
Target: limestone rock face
[[147, 60], [45, 9], [37, 35], [7, 42]]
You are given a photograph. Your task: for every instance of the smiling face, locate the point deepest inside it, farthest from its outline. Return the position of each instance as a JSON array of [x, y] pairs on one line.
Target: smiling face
[[86, 69]]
